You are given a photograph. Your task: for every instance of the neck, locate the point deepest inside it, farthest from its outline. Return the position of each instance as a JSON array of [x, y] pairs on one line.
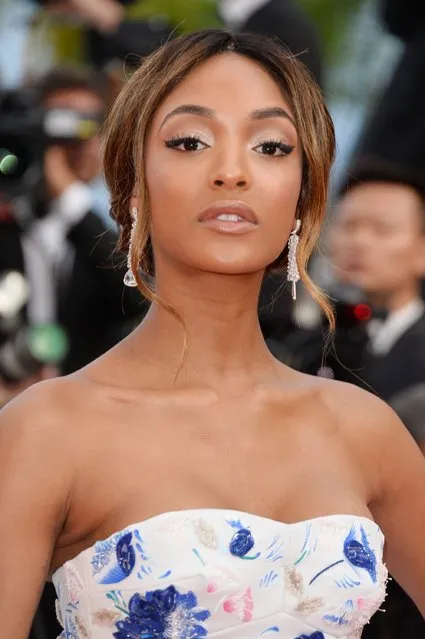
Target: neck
[[219, 324], [394, 300]]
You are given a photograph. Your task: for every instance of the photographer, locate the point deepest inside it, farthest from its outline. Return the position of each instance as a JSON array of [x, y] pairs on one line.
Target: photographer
[[64, 248]]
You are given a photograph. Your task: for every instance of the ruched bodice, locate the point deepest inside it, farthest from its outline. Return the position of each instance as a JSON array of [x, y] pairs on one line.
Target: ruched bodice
[[225, 574]]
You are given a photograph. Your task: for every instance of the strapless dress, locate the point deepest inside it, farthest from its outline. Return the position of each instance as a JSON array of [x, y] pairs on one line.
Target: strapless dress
[[225, 574]]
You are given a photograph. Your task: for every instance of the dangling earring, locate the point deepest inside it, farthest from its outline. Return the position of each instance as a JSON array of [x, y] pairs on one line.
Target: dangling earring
[[129, 279], [293, 273]]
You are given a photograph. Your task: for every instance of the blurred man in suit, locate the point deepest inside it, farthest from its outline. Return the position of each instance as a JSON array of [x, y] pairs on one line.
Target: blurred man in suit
[[378, 245]]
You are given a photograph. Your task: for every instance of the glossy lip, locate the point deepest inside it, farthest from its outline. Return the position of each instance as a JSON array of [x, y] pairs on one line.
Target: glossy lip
[[232, 207]]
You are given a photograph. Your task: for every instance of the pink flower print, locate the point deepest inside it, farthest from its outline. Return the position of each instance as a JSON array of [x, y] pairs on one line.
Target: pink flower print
[[221, 579], [368, 607], [240, 605], [362, 604]]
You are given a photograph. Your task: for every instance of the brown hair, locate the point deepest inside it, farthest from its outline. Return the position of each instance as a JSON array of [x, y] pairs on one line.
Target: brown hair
[[131, 116]]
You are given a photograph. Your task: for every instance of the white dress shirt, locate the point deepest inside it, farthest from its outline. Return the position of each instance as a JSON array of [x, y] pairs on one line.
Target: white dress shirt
[[47, 253], [384, 334]]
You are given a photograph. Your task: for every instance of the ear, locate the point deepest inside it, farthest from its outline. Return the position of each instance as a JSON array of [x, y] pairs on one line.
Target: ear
[[420, 257]]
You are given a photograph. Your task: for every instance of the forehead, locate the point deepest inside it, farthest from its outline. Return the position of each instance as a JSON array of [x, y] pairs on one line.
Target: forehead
[[80, 99], [394, 203], [228, 82]]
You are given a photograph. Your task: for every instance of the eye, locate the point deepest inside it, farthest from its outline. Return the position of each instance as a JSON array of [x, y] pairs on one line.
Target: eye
[[274, 148], [188, 143]]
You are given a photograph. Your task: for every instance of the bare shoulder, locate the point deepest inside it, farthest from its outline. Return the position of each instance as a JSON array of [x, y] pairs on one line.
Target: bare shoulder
[[43, 422], [353, 405], [44, 407], [361, 415], [375, 434], [366, 422], [394, 468]]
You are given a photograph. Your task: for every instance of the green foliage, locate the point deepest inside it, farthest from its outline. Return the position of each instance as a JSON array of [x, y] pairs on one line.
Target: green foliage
[[184, 15]]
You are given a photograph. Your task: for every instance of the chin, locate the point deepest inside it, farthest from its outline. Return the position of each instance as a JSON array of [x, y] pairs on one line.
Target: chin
[[368, 288], [87, 175], [359, 280], [233, 267]]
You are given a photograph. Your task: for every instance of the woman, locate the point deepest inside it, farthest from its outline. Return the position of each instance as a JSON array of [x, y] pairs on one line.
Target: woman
[[256, 488]]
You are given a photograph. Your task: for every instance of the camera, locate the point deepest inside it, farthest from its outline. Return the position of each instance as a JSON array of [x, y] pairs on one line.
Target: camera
[[24, 348], [26, 130]]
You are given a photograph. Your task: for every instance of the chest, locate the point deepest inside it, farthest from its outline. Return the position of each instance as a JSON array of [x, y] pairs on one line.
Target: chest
[[236, 454]]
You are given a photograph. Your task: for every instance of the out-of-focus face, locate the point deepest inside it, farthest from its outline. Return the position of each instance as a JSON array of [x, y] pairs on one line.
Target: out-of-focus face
[[224, 138], [377, 241], [83, 157]]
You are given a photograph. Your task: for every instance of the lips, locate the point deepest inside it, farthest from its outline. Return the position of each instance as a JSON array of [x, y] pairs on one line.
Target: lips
[[230, 212]]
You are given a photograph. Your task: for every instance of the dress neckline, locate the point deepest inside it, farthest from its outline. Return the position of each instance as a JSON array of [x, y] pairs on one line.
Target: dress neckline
[[229, 512]]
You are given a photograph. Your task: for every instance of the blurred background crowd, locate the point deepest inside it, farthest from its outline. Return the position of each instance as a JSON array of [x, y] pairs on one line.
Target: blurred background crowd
[[62, 298]]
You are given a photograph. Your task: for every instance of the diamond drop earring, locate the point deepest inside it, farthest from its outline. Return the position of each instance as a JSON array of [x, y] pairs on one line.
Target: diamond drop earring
[[293, 273], [129, 279]]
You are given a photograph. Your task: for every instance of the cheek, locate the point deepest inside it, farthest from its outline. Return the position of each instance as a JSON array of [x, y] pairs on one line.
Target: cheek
[[170, 192], [279, 196], [395, 250]]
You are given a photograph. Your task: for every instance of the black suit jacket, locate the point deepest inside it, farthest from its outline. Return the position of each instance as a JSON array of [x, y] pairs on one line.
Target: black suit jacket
[[392, 145], [93, 305], [402, 367]]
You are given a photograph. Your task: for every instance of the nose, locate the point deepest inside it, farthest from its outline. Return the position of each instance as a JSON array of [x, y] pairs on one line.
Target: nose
[[361, 238], [230, 171]]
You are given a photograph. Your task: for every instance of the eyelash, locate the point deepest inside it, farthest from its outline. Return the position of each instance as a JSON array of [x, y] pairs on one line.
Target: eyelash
[[176, 141], [285, 148]]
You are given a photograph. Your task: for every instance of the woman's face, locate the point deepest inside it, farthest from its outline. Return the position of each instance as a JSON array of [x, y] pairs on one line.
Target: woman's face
[[223, 170]]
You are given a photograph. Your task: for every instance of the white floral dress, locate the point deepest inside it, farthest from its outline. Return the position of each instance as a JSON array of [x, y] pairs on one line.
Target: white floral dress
[[209, 573]]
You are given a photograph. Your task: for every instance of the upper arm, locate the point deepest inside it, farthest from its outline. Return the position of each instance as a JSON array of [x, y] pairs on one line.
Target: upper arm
[[34, 485], [400, 505], [395, 470]]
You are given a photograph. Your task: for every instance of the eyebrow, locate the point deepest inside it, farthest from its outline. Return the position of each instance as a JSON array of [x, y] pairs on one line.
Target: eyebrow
[[205, 112]]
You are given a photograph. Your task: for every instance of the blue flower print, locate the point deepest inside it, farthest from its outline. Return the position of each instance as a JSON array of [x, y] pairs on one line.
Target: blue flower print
[[359, 554], [126, 556], [162, 614], [103, 551], [315, 635], [241, 543], [125, 561]]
